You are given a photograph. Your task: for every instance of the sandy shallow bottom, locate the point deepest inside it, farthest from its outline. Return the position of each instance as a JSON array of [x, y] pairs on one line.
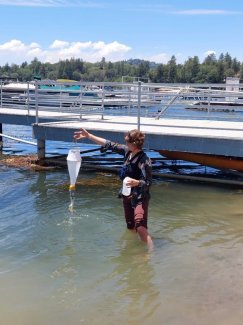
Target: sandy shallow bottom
[[58, 267]]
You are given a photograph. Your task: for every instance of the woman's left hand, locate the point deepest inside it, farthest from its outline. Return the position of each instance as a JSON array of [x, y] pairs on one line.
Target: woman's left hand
[[132, 182]]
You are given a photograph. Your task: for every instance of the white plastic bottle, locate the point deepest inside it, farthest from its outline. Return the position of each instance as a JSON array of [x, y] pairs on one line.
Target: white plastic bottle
[[126, 190]]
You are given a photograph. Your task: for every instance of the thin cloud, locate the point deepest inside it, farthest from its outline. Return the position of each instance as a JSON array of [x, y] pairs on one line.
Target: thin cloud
[[164, 8], [159, 58], [169, 9], [51, 3], [194, 12], [164, 58]]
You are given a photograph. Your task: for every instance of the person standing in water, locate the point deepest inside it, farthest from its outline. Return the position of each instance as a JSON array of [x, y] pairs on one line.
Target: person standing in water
[[138, 168]]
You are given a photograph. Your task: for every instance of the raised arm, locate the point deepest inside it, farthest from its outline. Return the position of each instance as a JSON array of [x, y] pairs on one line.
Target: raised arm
[[106, 144], [82, 133]]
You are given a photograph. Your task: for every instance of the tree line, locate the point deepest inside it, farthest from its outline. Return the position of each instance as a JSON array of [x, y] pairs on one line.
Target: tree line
[[211, 70]]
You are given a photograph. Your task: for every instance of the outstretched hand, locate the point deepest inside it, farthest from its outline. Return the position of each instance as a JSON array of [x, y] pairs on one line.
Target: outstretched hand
[[81, 134]]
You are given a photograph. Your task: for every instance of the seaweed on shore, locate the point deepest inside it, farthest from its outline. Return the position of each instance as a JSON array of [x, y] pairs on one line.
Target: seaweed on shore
[[26, 162]]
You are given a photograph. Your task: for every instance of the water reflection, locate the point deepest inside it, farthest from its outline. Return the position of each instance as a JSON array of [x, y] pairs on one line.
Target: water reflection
[[135, 274], [88, 269], [203, 215]]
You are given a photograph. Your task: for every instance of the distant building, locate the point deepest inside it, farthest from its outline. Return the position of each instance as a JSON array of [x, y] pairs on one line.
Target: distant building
[[232, 84]]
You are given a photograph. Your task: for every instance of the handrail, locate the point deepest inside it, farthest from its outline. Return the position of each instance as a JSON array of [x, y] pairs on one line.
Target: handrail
[[168, 104], [1, 94], [71, 97], [17, 139]]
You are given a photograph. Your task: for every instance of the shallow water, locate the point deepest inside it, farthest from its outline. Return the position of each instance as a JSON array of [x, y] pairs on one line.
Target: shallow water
[[58, 267]]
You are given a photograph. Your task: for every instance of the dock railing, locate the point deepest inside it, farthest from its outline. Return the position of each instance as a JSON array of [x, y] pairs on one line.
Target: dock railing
[[77, 100]]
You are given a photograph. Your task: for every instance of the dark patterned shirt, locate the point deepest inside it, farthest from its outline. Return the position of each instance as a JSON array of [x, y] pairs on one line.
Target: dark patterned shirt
[[138, 167]]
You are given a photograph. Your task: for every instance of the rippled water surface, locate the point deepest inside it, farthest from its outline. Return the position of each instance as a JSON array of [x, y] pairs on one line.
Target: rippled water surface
[[84, 267]]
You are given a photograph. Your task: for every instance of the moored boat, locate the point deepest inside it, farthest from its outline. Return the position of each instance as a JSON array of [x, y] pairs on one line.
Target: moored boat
[[18, 87], [219, 162]]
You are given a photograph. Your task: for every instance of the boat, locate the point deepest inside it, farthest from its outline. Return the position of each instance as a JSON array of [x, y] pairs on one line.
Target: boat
[[75, 90], [215, 161], [215, 106], [69, 90], [18, 87]]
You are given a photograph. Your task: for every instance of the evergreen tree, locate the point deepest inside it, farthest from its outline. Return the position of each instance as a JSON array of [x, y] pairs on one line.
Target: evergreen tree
[[172, 69], [191, 71]]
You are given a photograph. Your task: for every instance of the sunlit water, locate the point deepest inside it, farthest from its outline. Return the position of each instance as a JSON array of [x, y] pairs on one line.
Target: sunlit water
[[58, 267], [84, 267]]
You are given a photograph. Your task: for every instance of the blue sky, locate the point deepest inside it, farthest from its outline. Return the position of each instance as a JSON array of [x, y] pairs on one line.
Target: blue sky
[[118, 30]]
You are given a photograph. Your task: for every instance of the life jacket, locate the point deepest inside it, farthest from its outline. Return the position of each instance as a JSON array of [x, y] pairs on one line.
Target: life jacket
[[130, 167]]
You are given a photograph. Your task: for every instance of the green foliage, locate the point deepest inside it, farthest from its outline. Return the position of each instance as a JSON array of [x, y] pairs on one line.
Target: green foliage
[[211, 70]]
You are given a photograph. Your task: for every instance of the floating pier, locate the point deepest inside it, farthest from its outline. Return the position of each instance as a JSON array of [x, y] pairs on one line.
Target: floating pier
[[193, 136]]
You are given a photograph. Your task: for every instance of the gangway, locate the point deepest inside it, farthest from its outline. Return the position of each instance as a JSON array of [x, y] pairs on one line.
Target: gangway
[[169, 104]]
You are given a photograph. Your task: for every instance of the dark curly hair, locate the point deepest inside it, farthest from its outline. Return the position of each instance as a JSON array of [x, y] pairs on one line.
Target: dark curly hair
[[135, 137]]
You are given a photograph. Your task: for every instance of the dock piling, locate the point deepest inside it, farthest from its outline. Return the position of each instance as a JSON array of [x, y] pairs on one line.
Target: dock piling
[[41, 148], [1, 138]]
